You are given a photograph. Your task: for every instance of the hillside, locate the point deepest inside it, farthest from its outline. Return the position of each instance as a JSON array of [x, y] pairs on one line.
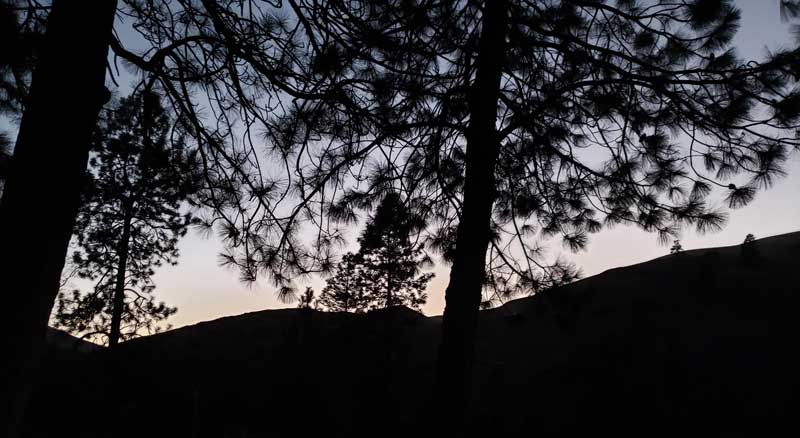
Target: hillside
[[705, 340], [60, 340]]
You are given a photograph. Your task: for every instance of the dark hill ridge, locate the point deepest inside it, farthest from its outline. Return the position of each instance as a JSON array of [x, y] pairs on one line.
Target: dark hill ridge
[[59, 340], [702, 341]]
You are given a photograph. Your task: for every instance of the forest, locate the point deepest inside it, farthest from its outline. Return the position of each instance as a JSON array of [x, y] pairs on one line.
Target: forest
[[369, 144]]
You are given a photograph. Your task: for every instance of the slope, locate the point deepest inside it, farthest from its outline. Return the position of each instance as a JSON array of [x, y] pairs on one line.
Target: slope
[[704, 341]]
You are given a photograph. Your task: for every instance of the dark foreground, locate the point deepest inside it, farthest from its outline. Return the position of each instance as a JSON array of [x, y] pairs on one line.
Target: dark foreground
[[702, 342]]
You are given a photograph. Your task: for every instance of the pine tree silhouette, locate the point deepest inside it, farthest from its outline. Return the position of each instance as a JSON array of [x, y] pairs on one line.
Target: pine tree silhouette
[[385, 271], [347, 290], [391, 261], [129, 224]]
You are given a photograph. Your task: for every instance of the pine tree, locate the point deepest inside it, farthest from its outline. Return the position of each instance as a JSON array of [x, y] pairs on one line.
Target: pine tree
[[390, 260], [384, 272], [346, 290], [129, 224]]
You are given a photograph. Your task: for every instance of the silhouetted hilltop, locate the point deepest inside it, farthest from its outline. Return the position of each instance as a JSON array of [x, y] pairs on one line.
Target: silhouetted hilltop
[[701, 341], [60, 340]]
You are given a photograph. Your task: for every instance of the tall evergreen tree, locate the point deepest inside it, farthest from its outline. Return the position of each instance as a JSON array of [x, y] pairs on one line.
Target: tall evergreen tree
[[556, 118], [391, 260], [130, 222], [42, 191], [385, 271]]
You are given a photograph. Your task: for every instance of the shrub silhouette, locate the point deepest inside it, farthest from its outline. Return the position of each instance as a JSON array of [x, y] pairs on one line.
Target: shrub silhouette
[[749, 251]]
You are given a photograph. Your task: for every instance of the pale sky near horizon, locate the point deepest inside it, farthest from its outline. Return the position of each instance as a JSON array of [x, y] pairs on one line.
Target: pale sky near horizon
[[202, 290]]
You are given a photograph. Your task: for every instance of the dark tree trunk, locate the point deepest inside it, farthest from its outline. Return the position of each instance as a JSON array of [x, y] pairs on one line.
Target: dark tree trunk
[[119, 285], [463, 294], [42, 193]]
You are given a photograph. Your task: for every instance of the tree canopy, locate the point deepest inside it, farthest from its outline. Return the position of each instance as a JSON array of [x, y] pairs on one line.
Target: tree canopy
[[609, 113]]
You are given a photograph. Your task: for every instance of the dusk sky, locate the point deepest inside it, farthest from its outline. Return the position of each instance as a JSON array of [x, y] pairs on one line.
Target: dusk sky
[[202, 290]]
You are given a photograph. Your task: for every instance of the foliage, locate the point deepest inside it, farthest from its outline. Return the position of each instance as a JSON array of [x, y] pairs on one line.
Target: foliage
[[385, 270], [139, 177], [391, 259], [306, 300], [609, 113], [346, 290]]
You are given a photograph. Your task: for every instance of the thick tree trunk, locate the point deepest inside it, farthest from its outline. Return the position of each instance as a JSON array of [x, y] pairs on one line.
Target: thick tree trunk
[[463, 294], [119, 285], [41, 196]]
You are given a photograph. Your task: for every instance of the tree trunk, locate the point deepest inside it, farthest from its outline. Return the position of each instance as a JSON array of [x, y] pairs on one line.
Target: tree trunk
[[463, 294], [119, 286], [42, 192]]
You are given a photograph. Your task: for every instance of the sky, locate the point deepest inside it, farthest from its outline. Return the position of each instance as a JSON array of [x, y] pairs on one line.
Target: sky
[[202, 290]]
